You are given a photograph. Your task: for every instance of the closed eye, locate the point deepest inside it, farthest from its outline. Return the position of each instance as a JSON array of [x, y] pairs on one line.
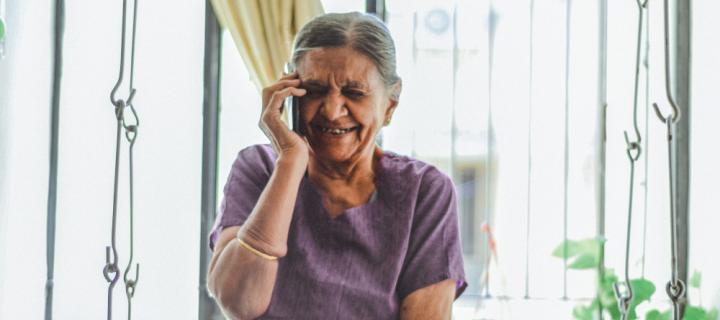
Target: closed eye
[[314, 92], [354, 94]]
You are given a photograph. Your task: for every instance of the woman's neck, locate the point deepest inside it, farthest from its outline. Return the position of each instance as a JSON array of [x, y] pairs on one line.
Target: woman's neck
[[328, 175]]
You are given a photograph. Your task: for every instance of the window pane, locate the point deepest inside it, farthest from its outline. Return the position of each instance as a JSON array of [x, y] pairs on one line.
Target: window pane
[[343, 5], [705, 175], [444, 59], [25, 82]]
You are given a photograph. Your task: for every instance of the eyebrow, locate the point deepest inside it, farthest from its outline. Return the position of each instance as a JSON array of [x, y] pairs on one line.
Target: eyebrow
[[319, 84]]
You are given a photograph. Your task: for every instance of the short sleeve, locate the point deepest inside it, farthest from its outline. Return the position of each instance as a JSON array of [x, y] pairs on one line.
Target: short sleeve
[[434, 250], [248, 176]]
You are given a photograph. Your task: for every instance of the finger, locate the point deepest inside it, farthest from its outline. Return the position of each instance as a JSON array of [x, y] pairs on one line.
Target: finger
[[282, 84], [279, 96], [271, 115], [290, 75]]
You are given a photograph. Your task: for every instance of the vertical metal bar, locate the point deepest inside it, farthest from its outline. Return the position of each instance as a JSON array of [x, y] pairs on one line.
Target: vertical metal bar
[[54, 137], [601, 144], [207, 309], [529, 152], [492, 24], [646, 147], [453, 107], [376, 7], [413, 151], [681, 64], [566, 148]]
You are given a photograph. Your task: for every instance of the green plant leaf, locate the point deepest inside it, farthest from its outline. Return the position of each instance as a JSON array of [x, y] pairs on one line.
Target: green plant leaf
[[657, 315], [653, 315], [712, 314], [607, 293], [585, 312], [584, 262], [575, 247], [609, 303], [614, 311], [642, 290], [2, 29], [572, 249], [696, 279], [586, 253], [694, 313]]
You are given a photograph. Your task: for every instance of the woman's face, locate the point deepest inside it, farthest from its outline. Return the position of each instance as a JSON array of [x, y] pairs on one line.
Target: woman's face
[[346, 103]]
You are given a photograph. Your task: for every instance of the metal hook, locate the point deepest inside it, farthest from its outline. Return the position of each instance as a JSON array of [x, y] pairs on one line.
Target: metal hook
[[673, 117], [110, 266], [131, 133], [121, 73], [113, 100], [119, 109], [668, 91], [131, 283], [131, 129], [675, 291], [115, 88], [632, 146], [130, 98], [675, 288], [641, 6], [111, 270], [624, 297]]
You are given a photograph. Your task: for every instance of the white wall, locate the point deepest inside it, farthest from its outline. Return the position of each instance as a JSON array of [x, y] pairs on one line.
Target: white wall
[[169, 61], [25, 76]]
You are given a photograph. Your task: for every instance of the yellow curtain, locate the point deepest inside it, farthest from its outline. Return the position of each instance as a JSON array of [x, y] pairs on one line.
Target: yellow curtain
[[263, 31]]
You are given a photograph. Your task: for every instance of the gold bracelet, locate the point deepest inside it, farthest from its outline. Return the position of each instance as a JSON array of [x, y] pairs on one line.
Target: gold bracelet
[[255, 251]]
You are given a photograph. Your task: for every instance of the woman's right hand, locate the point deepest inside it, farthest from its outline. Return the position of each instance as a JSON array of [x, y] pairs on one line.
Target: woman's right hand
[[288, 144]]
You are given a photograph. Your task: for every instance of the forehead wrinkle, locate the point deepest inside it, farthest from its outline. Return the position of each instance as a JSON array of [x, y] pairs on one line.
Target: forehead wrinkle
[[351, 84], [337, 68]]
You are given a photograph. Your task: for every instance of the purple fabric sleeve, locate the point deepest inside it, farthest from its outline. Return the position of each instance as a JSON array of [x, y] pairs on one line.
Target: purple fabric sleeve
[[434, 251], [247, 179]]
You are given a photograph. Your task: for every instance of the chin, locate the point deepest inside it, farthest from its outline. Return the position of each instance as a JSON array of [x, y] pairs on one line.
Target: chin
[[333, 154]]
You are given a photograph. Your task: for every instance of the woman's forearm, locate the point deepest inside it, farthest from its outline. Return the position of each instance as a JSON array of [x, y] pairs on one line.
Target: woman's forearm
[[242, 282], [267, 227]]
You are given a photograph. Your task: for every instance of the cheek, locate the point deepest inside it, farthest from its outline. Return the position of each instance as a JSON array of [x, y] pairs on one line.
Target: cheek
[[372, 112], [308, 109], [364, 116]]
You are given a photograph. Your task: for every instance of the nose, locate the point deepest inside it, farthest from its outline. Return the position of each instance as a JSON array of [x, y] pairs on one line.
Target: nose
[[333, 106]]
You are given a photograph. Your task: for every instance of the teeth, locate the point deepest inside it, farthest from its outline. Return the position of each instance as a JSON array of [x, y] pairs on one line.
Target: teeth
[[335, 131]]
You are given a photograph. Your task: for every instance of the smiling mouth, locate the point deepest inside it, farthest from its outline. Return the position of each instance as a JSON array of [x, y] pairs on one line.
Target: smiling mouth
[[335, 131]]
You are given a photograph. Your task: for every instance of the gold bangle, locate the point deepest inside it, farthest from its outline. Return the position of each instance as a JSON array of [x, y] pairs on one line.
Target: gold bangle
[[255, 251]]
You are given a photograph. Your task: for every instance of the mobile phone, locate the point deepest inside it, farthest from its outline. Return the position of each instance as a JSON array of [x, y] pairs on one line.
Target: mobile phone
[[292, 105]]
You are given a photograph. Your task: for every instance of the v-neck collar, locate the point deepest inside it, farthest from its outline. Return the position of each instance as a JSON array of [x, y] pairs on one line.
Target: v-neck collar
[[349, 212]]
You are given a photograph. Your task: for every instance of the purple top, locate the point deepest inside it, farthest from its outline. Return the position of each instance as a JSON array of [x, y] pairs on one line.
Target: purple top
[[362, 264]]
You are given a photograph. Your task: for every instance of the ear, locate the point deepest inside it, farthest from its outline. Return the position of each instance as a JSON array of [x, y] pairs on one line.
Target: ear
[[394, 100]]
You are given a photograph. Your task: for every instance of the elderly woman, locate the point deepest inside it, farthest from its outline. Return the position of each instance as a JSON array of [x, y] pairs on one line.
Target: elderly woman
[[328, 225]]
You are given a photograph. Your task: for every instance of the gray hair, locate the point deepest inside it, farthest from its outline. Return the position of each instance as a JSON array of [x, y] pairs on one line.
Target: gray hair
[[363, 33]]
